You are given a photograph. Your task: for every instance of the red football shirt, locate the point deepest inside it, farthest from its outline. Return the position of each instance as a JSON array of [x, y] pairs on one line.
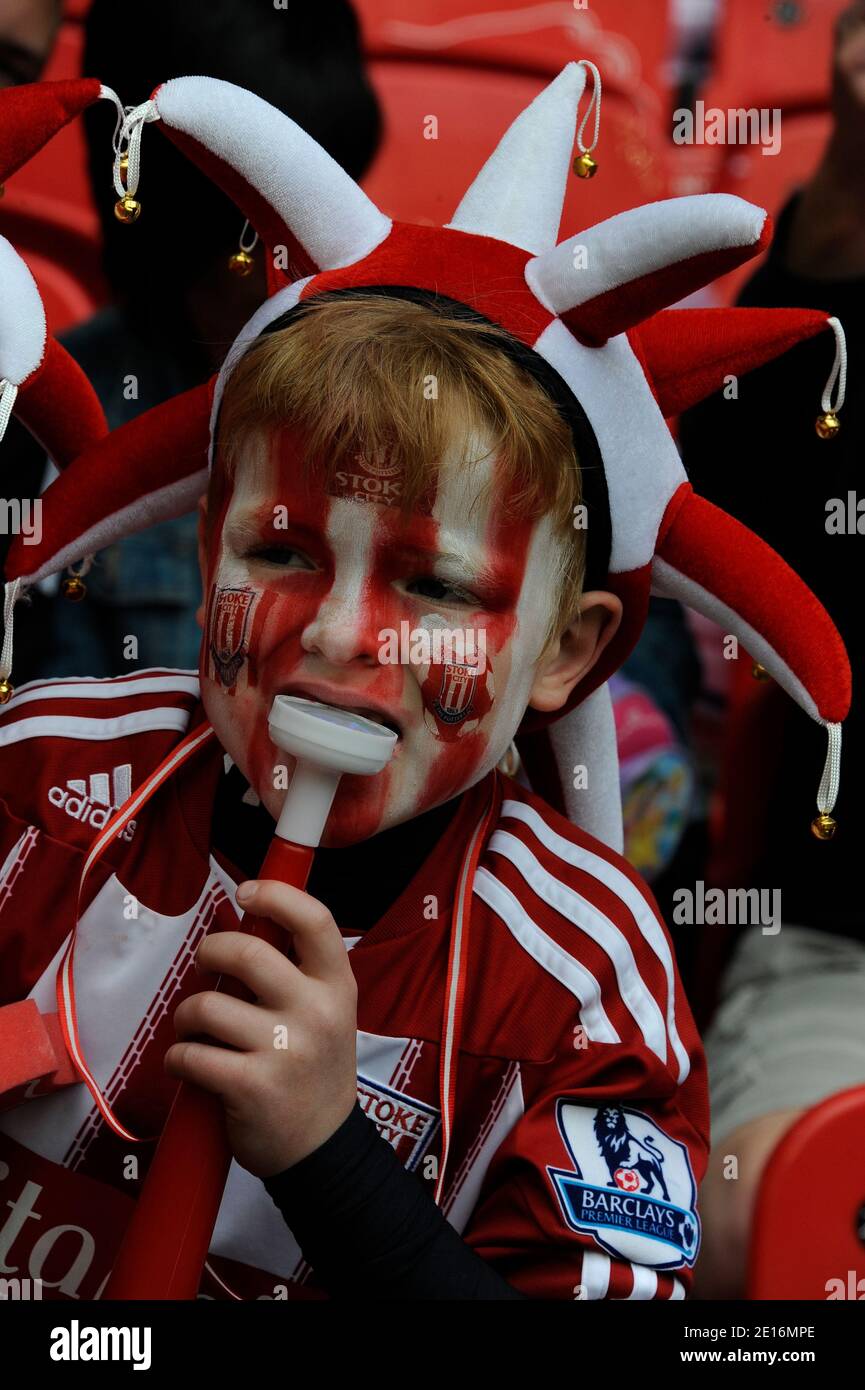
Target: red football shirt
[[580, 1123]]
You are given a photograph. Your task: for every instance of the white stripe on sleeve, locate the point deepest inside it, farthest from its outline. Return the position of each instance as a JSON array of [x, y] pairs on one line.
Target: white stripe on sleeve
[[576, 909], [618, 883], [547, 952]]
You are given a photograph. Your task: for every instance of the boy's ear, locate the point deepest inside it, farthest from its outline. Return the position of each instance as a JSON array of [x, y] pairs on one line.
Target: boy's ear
[[202, 558], [572, 656]]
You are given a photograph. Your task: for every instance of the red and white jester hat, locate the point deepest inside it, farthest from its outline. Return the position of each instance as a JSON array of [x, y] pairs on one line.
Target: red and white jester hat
[[596, 324]]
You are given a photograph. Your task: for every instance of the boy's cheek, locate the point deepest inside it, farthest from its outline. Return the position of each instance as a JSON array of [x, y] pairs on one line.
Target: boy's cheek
[[252, 636], [461, 689]]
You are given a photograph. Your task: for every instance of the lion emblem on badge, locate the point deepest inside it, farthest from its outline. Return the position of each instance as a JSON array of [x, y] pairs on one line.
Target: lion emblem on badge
[[627, 1157]]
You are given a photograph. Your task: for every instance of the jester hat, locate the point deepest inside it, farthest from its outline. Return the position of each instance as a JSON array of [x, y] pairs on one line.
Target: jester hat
[[589, 315]]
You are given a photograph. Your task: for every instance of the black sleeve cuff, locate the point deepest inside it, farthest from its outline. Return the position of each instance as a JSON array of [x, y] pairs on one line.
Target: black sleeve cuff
[[370, 1229]]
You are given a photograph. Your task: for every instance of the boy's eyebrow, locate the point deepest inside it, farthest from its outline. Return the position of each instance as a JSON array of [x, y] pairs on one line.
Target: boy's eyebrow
[[452, 563], [257, 526]]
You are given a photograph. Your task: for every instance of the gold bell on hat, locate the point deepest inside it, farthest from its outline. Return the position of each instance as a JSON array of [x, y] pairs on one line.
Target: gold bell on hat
[[828, 425], [759, 672], [6, 691], [585, 167], [73, 588], [241, 263], [823, 827], [127, 209]]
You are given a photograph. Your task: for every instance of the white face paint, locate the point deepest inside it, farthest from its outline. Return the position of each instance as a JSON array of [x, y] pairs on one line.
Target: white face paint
[[432, 624]]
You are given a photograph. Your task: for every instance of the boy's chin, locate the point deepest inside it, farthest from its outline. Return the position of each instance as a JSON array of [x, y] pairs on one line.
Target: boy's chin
[[350, 822]]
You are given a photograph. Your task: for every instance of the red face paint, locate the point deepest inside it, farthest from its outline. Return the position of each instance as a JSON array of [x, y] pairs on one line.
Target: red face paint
[[302, 605]]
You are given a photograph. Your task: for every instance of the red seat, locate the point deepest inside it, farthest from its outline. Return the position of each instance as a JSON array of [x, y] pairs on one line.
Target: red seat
[[809, 1225], [475, 64], [778, 53], [627, 41], [417, 179]]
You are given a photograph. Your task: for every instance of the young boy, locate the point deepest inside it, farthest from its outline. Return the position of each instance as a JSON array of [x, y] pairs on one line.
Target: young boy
[[464, 540], [578, 1068], [478, 1076]]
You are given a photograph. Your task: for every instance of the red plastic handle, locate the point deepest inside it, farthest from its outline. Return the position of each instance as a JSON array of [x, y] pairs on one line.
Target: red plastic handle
[[165, 1246]]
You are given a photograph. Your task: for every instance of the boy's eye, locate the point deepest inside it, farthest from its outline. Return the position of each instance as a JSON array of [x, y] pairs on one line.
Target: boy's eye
[[286, 556], [440, 591]]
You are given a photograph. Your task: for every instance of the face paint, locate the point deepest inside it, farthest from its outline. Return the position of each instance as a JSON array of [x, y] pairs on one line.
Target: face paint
[[302, 607], [456, 681], [228, 633]]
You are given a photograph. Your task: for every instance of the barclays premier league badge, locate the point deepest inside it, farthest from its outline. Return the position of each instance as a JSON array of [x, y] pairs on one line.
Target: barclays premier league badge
[[631, 1188]]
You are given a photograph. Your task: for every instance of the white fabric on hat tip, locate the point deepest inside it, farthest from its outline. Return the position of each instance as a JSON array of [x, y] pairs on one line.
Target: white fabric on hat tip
[[318, 202], [640, 242], [23, 329], [519, 193]]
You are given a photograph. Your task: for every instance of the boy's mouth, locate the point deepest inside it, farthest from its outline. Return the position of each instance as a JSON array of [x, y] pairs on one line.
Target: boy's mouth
[[342, 699]]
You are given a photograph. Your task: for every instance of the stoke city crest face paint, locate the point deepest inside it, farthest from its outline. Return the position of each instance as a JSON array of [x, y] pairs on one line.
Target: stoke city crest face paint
[[430, 623]]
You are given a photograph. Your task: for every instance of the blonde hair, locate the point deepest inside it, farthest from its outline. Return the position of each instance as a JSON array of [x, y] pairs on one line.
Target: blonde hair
[[376, 373]]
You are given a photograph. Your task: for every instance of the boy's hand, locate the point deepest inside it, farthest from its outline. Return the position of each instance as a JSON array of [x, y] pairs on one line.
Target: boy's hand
[[288, 1073]]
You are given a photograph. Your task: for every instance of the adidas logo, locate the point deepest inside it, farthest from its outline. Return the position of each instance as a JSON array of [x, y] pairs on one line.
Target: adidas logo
[[93, 800]]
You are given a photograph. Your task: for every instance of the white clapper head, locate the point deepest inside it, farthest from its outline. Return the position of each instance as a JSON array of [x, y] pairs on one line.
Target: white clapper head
[[326, 742]]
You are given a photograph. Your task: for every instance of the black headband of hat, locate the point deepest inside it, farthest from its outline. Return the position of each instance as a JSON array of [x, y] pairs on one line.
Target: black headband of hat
[[597, 533]]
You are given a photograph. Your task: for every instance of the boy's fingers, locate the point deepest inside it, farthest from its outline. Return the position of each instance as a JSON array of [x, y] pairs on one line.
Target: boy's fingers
[[224, 1018], [213, 1068], [314, 935], [264, 970]]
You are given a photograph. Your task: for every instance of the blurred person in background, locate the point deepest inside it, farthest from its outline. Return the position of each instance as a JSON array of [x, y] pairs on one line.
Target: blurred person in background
[[28, 29], [789, 1029], [176, 305]]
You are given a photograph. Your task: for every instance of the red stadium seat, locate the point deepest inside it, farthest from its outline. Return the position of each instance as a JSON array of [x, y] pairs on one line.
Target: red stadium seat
[[474, 65], [809, 1224], [419, 179], [777, 53], [627, 41]]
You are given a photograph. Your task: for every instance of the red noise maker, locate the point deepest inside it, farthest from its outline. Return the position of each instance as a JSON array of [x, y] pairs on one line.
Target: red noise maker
[[165, 1246]]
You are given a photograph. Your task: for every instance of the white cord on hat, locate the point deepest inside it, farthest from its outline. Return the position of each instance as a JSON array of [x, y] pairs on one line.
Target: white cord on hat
[[252, 245], [129, 143], [8, 392], [594, 105], [11, 595], [839, 370], [827, 793], [109, 94]]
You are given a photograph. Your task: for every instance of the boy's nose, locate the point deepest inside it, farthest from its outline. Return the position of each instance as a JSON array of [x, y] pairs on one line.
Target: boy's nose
[[346, 627], [342, 630]]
